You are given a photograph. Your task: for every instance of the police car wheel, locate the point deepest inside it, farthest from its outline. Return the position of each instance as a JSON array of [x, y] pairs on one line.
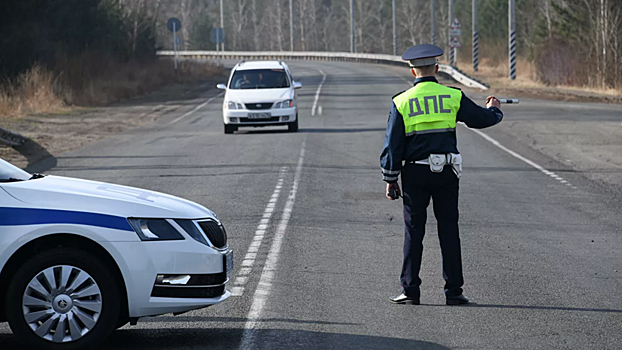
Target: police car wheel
[[63, 299], [293, 126]]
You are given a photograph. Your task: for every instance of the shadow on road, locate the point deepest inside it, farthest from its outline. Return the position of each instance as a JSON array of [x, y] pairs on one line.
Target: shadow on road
[[237, 319], [271, 168], [538, 307], [39, 159], [273, 339], [229, 338], [313, 131]]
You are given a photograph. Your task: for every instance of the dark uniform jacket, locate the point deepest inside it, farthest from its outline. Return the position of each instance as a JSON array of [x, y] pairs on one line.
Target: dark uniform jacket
[[398, 147]]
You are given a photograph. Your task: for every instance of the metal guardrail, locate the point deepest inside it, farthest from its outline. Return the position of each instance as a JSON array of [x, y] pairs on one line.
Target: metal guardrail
[[453, 72]]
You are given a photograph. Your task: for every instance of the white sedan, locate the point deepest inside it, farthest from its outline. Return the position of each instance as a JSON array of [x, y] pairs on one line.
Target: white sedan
[[79, 258], [260, 93]]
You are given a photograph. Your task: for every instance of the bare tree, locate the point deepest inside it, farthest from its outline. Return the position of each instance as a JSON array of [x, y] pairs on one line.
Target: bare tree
[[258, 25]]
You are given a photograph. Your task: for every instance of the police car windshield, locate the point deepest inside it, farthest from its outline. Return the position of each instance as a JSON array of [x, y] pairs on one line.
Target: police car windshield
[[259, 79], [10, 173]]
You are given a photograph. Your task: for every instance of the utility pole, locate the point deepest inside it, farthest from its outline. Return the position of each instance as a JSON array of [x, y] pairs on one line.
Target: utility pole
[[512, 38], [395, 52], [433, 22], [452, 52], [352, 48], [475, 38], [222, 25], [175, 43], [291, 24]]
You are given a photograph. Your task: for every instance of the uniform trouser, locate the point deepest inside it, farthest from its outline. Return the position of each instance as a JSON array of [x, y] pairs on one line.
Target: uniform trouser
[[419, 183]]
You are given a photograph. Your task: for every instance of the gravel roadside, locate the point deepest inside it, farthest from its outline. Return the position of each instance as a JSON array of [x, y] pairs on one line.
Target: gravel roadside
[[54, 134]]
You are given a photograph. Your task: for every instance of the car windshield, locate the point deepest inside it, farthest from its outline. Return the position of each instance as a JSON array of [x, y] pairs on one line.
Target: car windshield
[[259, 79], [9, 172]]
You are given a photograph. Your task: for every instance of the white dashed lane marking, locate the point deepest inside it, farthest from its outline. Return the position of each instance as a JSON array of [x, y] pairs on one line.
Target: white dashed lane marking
[[317, 93], [197, 108], [251, 254], [267, 275]]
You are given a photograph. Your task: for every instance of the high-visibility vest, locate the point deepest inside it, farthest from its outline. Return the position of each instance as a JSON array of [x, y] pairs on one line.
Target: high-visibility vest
[[428, 107]]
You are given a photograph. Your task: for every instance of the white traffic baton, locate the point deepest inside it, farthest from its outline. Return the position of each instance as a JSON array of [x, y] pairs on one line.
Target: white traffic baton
[[508, 100]]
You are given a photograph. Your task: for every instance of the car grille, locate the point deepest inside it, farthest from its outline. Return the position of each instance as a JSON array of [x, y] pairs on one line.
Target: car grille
[[249, 120], [215, 233], [264, 105]]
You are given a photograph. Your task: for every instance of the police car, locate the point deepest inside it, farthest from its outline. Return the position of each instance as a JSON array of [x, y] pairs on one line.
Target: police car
[[260, 93], [80, 258]]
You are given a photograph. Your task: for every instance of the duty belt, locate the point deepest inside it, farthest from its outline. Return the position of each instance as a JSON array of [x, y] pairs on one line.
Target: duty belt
[[438, 161]]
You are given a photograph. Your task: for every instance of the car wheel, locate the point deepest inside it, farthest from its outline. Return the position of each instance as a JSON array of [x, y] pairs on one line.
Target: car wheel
[[229, 129], [293, 126], [63, 299]]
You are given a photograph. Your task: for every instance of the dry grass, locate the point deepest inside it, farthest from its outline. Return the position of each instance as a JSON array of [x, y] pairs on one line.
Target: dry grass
[[92, 80], [36, 91], [496, 75]]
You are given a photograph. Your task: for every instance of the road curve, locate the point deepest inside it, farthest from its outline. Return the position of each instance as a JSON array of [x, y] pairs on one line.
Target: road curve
[[541, 252]]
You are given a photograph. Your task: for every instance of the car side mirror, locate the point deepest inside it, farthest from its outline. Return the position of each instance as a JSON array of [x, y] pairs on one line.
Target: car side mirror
[[297, 85], [221, 87]]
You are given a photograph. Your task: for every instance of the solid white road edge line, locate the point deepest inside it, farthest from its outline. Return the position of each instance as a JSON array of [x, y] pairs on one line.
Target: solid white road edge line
[[249, 260], [317, 93], [267, 275], [197, 108], [518, 156]]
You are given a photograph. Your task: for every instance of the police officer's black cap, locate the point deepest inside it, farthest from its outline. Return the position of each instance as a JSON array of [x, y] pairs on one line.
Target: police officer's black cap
[[422, 55]]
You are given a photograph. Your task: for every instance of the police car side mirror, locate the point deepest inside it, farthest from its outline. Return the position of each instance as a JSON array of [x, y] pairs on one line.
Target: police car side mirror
[[297, 85], [221, 86]]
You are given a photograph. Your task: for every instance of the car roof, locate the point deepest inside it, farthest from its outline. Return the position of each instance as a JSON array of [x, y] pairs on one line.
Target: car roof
[[261, 65]]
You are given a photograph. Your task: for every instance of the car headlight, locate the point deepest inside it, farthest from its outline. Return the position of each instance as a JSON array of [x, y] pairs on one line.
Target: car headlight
[[284, 104], [155, 230], [192, 230], [233, 105]]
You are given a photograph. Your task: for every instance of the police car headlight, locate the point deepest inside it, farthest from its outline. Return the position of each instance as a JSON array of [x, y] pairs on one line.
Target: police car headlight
[[284, 104], [191, 229], [233, 105], [155, 230]]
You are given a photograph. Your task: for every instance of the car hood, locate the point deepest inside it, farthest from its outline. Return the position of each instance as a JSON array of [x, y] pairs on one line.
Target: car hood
[[259, 95], [62, 193]]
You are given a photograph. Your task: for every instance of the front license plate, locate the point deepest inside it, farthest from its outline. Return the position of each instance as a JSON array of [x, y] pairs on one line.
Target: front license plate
[[228, 262], [259, 115]]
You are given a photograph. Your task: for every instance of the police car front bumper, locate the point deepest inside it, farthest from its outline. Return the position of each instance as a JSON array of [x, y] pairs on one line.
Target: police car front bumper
[[172, 276]]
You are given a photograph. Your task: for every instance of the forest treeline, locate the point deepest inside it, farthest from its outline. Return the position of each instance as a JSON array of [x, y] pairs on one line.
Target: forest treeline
[[570, 42]]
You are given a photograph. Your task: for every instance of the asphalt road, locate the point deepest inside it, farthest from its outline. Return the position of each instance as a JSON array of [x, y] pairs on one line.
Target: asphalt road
[[541, 243]]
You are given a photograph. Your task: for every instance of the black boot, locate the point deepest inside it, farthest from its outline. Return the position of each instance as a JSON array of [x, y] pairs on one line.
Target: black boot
[[458, 300]]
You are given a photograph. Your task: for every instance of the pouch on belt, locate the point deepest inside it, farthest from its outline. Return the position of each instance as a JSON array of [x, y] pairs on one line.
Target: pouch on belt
[[438, 161]]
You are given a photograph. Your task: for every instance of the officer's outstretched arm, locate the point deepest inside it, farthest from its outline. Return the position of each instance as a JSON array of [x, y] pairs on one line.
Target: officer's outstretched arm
[[477, 117], [393, 148]]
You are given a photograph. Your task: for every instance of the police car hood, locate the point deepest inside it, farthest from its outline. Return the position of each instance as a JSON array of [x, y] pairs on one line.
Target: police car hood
[[62, 193], [259, 95]]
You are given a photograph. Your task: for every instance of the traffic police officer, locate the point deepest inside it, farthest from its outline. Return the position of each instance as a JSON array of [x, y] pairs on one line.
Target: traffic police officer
[[421, 132]]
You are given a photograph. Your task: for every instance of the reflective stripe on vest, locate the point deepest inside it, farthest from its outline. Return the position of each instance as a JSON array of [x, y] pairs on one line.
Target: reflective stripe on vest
[[428, 107]]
